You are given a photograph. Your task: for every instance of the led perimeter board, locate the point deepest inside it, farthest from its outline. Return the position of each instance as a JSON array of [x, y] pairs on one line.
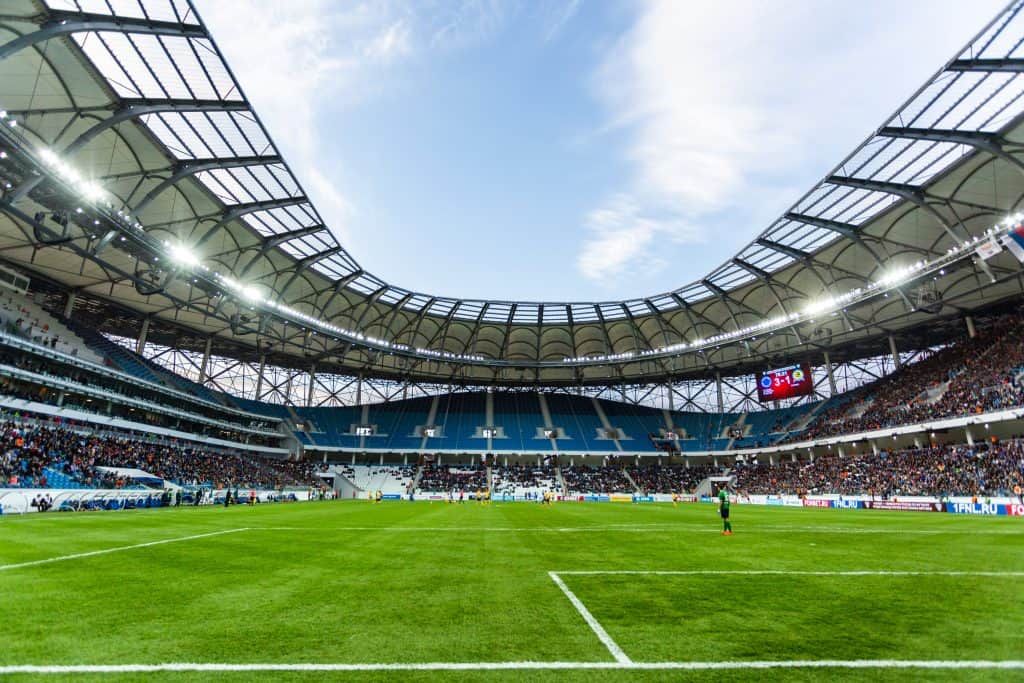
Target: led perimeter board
[[775, 385]]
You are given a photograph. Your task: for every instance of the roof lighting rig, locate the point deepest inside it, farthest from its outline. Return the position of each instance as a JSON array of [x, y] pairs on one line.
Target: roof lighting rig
[[75, 200]]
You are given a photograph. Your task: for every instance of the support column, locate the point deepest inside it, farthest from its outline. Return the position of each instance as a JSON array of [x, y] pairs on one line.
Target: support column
[[792, 457], [969, 436], [718, 389], [671, 397], [206, 360], [309, 389], [359, 390], [259, 376], [831, 377], [874, 448], [140, 344], [771, 459], [917, 441], [894, 352], [69, 304], [841, 450], [405, 459], [971, 331]]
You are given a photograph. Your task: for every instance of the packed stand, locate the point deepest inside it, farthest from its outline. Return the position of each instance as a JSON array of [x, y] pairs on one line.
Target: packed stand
[[604, 479], [670, 478], [27, 450], [982, 375], [523, 477], [938, 471], [444, 478]]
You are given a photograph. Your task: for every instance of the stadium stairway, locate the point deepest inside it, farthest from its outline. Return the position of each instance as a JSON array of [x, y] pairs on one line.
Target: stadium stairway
[[632, 482], [704, 488], [604, 421], [560, 480]]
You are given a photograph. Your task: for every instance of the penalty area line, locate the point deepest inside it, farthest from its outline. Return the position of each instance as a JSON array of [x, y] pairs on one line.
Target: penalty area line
[[782, 572], [514, 666], [107, 551], [593, 623]]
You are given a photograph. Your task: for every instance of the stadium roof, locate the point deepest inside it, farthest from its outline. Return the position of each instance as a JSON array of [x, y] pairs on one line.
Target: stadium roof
[[220, 239]]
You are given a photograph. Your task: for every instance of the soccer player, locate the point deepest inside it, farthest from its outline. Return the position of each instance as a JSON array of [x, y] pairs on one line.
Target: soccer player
[[723, 509], [675, 499]]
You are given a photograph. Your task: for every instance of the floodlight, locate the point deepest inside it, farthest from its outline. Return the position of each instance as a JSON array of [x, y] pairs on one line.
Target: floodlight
[[183, 255], [250, 293]]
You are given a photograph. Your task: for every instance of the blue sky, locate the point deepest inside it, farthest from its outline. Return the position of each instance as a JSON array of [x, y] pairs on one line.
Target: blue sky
[[571, 149]]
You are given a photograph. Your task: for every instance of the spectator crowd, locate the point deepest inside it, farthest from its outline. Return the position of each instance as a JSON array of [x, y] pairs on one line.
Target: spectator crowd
[[27, 450], [975, 375], [985, 469]]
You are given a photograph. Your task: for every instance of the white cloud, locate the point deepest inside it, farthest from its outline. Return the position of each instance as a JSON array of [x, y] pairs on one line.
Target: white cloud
[[623, 232], [723, 104], [294, 58]]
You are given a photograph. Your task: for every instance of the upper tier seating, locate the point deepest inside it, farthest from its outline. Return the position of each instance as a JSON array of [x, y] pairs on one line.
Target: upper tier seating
[[22, 316]]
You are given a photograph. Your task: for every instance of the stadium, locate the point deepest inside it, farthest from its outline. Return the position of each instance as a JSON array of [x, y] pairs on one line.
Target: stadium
[[230, 450]]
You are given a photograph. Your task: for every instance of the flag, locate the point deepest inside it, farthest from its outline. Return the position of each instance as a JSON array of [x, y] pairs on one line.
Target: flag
[[1014, 241], [989, 248]]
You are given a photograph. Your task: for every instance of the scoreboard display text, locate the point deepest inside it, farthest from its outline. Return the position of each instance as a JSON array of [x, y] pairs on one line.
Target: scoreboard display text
[[775, 385]]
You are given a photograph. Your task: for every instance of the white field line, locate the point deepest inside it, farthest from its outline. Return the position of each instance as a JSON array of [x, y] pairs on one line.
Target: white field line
[[593, 623], [785, 572], [518, 666], [645, 528], [106, 551]]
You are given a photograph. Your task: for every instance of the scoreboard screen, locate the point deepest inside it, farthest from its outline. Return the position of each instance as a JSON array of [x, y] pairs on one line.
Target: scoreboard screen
[[774, 385]]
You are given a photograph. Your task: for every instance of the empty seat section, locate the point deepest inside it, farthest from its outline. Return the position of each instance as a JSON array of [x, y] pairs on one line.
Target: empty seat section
[[638, 423], [397, 423], [515, 415], [575, 414]]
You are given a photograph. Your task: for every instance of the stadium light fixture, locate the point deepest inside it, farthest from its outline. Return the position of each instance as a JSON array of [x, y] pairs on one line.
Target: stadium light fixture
[[182, 255]]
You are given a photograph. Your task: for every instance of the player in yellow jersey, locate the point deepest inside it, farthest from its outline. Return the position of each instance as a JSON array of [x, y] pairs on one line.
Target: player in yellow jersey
[[487, 496], [380, 495], [479, 497], [675, 499]]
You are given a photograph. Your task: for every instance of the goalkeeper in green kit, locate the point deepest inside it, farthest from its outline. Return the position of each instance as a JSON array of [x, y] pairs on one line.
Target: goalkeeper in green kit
[[723, 509]]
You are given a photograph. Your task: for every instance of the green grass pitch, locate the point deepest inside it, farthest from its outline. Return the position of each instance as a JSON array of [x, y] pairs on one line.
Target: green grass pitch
[[356, 583]]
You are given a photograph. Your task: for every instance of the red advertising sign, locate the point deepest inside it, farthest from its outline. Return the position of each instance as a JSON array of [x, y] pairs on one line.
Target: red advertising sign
[[1015, 510], [817, 503]]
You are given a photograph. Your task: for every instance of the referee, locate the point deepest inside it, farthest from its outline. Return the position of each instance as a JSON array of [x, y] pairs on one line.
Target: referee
[[723, 509]]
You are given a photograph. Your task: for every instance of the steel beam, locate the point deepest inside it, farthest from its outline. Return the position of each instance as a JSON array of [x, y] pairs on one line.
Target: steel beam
[[1008, 65], [131, 109], [59, 23], [188, 168], [989, 142]]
